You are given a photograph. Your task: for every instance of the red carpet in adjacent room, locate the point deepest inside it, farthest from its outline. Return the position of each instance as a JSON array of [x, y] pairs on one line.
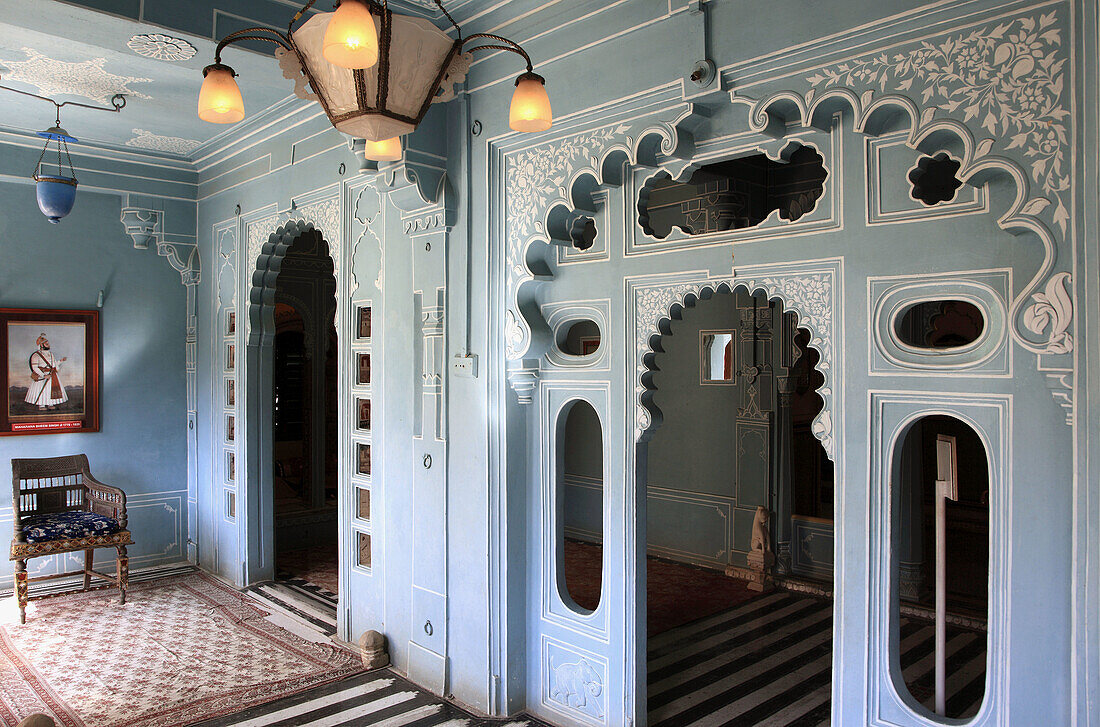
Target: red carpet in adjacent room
[[318, 564], [676, 593]]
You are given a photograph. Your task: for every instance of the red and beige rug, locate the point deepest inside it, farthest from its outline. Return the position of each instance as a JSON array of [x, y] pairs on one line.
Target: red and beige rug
[[181, 650], [676, 593]]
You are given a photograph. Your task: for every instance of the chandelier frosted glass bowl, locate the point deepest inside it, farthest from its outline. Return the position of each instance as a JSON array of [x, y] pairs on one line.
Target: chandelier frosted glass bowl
[[374, 72]]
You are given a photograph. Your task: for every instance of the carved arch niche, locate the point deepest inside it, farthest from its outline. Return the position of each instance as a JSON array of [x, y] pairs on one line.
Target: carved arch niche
[[808, 290], [1015, 127]]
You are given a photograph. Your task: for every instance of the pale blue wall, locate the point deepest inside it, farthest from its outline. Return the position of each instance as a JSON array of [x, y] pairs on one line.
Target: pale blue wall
[[141, 445], [467, 542]]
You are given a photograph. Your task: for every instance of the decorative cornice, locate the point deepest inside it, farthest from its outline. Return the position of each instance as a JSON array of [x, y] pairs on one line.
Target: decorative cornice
[[145, 226], [523, 377]]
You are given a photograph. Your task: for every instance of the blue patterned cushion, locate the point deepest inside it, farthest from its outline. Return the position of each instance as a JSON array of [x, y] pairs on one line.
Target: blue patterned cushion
[[64, 525]]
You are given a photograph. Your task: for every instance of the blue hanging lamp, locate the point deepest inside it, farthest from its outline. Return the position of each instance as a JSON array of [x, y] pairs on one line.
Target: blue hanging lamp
[[57, 192]]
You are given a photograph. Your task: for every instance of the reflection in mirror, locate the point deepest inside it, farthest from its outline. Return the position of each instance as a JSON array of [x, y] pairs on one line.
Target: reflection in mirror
[[580, 497], [582, 338], [716, 355]]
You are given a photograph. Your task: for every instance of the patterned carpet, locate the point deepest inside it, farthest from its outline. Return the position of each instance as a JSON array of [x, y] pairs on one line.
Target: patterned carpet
[[182, 649], [667, 583]]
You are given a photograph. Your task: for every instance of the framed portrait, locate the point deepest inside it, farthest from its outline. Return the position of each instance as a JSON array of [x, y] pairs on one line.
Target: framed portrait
[[52, 372], [230, 466], [230, 427], [230, 357], [364, 322], [363, 407], [362, 459], [362, 377], [230, 323], [230, 393]]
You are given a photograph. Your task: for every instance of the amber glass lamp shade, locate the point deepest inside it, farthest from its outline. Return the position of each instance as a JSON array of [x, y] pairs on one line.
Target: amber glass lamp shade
[[530, 110], [220, 99], [351, 40], [387, 150]]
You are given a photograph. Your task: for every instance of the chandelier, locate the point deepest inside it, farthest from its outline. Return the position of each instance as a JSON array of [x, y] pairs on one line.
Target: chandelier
[[374, 72]]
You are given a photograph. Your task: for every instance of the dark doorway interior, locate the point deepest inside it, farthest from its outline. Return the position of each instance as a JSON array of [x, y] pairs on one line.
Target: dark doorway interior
[[304, 417]]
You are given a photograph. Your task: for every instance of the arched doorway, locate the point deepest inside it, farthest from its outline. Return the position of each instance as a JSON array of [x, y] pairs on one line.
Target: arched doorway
[[304, 419], [290, 461], [739, 532]]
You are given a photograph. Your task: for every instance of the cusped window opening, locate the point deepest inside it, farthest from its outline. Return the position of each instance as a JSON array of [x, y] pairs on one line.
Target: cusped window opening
[[940, 510], [581, 338], [735, 194], [933, 180], [584, 236], [580, 496], [940, 324]]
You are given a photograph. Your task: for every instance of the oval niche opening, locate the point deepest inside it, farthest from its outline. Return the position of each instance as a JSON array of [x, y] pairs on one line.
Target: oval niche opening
[[581, 338], [940, 511], [940, 324], [580, 507]]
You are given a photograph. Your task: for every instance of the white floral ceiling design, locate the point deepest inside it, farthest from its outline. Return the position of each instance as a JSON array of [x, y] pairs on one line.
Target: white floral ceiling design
[[86, 79], [161, 47], [172, 144]]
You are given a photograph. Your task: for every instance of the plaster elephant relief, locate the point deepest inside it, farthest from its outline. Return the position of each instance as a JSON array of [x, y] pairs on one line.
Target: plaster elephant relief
[[577, 685]]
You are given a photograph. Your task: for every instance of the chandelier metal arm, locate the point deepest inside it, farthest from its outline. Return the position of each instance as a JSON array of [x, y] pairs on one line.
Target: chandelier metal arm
[[298, 16], [251, 34], [512, 46], [118, 102]]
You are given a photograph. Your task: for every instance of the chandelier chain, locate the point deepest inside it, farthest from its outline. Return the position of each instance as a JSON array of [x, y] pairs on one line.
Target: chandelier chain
[[444, 11]]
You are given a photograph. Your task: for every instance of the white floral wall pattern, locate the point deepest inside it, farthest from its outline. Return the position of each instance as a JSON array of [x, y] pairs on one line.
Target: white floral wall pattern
[[85, 79], [1008, 76]]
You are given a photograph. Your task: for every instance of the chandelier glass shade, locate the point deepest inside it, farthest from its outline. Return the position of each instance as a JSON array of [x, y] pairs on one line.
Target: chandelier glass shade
[[374, 72], [220, 100], [351, 38], [56, 193]]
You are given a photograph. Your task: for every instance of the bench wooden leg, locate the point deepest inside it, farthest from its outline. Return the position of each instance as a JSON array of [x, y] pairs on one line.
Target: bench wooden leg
[[122, 571], [21, 589], [88, 568]]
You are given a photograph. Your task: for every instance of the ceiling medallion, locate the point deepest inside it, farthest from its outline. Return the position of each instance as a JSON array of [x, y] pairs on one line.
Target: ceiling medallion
[[161, 47], [374, 72]]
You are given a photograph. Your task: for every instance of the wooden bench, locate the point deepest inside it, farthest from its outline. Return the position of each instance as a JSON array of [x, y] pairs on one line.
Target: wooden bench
[[60, 508]]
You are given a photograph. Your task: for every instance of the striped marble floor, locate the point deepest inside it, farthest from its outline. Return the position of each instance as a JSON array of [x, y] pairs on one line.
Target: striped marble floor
[[379, 699], [307, 603], [768, 663]]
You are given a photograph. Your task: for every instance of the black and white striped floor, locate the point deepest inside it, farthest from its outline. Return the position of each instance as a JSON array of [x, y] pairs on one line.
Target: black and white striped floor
[[768, 663], [379, 699], [300, 601]]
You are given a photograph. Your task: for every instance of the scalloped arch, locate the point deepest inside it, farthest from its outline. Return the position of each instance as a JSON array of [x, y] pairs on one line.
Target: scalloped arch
[[808, 291], [261, 293]]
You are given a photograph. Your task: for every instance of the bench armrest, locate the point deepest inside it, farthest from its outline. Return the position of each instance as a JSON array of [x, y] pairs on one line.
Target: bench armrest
[[105, 500]]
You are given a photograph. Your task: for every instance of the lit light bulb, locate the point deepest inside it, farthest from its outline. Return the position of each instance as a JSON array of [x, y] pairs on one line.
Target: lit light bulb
[[530, 110], [387, 150], [351, 39], [220, 99]]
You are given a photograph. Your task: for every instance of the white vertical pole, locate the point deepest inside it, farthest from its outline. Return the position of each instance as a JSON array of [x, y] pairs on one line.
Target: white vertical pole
[[946, 488]]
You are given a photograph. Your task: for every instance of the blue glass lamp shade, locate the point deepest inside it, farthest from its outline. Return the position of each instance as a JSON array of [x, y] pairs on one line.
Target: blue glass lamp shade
[[56, 192]]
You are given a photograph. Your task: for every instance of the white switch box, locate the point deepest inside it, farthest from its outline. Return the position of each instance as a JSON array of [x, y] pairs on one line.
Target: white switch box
[[465, 366]]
